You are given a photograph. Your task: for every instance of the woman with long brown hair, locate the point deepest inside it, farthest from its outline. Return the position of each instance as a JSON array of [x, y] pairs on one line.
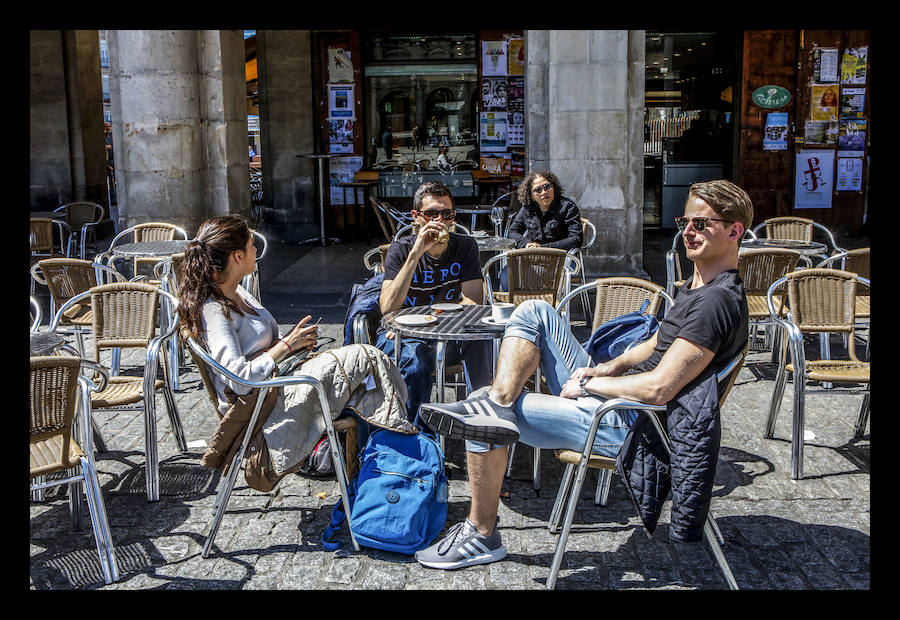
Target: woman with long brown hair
[[237, 330]]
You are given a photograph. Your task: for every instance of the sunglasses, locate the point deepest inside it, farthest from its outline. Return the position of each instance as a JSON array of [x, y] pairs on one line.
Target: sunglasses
[[433, 214], [546, 187], [699, 223]]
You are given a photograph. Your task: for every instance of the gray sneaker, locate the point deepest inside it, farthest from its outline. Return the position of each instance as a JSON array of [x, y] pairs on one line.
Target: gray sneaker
[[477, 418], [463, 546]]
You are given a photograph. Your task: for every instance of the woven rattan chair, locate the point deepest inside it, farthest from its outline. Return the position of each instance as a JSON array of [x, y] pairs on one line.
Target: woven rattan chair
[[56, 388], [41, 237], [385, 223], [797, 228], [83, 218], [819, 301], [206, 364], [534, 273], [855, 261], [65, 278], [614, 297], [125, 316], [149, 231], [759, 268], [577, 464], [37, 314]]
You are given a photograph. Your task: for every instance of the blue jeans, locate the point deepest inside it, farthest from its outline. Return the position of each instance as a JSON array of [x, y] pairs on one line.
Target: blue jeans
[[417, 364], [553, 422]]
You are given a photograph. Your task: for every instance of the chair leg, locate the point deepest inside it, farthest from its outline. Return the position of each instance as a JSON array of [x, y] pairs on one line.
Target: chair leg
[[863, 417], [604, 481], [75, 513], [825, 346], [509, 459], [798, 426], [710, 531], [567, 525], [38, 495], [775, 404], [151, 452], [536, 470], [100, 522], [561, 496], [175, 419], [226, 484], [99, 442]]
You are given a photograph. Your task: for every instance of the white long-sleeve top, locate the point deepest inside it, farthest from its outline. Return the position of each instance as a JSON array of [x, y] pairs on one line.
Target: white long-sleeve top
[[232, 341]]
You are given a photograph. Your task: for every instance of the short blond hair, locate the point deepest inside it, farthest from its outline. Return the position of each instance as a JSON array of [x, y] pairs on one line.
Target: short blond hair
[[726, 199]]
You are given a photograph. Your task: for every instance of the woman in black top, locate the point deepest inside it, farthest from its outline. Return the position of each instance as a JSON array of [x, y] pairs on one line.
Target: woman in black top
[[547, 219]]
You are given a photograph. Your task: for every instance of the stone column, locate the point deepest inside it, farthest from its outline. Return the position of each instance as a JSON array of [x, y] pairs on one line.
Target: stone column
[[584, 118], [66, 153], [179, 130]]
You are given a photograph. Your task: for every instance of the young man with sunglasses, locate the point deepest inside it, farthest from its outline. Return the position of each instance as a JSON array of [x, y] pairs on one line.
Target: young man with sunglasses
[[430, 266], [704, 329]]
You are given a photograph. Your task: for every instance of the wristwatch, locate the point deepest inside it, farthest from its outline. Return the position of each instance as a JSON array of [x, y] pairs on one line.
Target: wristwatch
[[581, 384]]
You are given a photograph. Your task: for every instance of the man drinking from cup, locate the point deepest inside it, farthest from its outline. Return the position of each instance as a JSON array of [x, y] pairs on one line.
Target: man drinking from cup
[[432, 265]]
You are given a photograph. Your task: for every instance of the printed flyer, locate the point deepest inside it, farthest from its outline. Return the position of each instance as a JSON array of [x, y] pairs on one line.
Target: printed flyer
[[493, 93], [493, 131], [775, 138], [824, 103], [340, 102], [853, 103], [814, 179], [825, 64], [340, 68], [341, 170], [517, 57], [493, 57], [849, 174], [853, 65], [340, 136], [852, 138]]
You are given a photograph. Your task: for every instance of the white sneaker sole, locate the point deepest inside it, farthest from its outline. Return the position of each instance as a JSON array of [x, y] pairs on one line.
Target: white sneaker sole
[[485, 558], [475, 428]]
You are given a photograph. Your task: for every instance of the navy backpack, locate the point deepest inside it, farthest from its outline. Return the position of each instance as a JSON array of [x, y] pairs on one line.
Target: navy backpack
[[615, 336], [398, 501]]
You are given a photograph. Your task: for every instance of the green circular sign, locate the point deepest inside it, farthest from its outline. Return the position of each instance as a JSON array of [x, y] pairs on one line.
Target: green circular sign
[[771, 96]]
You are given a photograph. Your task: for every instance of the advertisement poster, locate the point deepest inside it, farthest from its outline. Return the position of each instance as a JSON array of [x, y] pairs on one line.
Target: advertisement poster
[[340, 136], [821, 132], [853, 102], [852, 138], [849, 174], [340, 102], [853, 65], [493, 93], [493, 57], [814, 179], [825, 64], [824, 103], [776, 132], [340, 68], [517, 57], [498, 163], [341, 170], [493, 131], [515, 106], [517, 164]]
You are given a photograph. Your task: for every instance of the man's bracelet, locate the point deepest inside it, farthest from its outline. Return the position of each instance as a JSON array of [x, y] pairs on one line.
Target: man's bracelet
[[581, 383]]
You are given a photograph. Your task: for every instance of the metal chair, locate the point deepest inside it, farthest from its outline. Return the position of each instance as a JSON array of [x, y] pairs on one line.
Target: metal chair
[[759, 268], [125, 316], [615, 296], [381, 253], [82, 217], [589, 235], [390, 215], [65, 278], [578, 463], [798, 228], [42, 240], [251, 281], [149, 231], [855, 261], [819, 301], [226, 483], [534, 273], [37, 314], [57, 389]]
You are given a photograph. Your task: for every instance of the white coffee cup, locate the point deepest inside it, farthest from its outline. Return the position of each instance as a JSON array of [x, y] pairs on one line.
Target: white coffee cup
[[500, 312]]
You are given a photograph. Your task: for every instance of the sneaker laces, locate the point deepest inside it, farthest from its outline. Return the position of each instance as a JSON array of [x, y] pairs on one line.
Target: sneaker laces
[[459, 531]]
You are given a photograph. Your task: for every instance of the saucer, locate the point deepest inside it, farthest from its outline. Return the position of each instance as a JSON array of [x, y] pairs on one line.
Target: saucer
[[490, 321], [446, 307], [416, 319]]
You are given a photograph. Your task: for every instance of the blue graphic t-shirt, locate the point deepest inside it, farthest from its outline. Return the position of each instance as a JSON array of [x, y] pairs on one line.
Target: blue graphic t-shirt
[[435, 280]]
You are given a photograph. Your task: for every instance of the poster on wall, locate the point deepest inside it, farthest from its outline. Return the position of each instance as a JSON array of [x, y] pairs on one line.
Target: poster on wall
[[340, 68], [515, 107], [776, 132], [340, 102], [825, 64], [496, 163], [341, 170], [853, 102], [849, 174], [493, 131], [824, 103], [494, 93], [517, 163], [340, 136], [821, 132], [852, 138], [493, 57], [853, 65], [517, 57], [814, 179]]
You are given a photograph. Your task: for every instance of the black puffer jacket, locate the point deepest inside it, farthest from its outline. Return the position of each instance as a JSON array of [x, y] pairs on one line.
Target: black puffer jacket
[[558, 227], [695, 432]]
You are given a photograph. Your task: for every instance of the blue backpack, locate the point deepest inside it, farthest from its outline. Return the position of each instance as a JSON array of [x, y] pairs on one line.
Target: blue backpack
[[613, 337], [398, 501]]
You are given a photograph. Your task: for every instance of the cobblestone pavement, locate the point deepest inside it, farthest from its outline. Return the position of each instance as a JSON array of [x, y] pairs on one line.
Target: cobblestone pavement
[[779, 533]]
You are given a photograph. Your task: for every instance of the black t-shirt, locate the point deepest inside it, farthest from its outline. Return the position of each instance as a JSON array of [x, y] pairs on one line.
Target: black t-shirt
[[714, 316], [435, 280]]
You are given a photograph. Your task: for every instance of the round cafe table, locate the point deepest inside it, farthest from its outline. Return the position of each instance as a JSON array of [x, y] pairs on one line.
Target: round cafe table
[[45, 343], [807, 248], [150, 249]]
